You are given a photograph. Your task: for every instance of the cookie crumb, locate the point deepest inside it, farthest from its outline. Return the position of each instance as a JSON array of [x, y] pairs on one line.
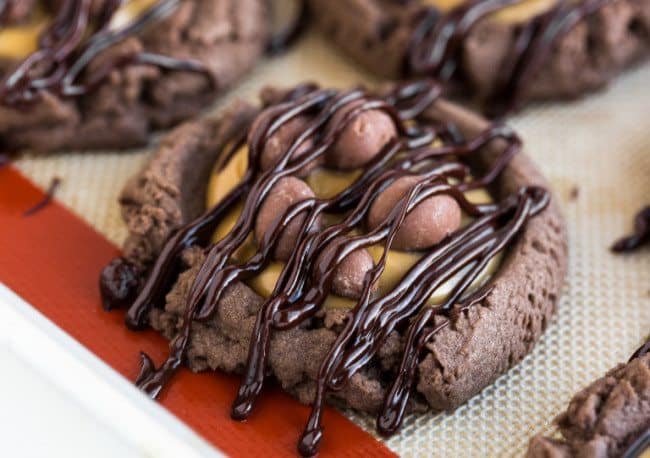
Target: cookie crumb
[[640, 236], [574, 193]]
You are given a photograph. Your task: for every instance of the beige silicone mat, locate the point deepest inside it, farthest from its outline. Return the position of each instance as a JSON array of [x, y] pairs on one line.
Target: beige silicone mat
[[599, 146]]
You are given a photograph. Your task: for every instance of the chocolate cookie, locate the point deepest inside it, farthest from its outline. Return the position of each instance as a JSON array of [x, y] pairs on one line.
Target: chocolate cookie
[[609, 418], [407, 284], [504, 52], [105, 74]]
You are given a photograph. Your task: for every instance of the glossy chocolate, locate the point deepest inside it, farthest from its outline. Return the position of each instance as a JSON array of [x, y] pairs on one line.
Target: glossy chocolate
[[640, 237], [307, 278], [47, 198], [642, 350]]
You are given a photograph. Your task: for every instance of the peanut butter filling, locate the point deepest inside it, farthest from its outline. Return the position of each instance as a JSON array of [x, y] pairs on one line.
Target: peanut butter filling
[[327, 182], [18, 41], [518, 12]]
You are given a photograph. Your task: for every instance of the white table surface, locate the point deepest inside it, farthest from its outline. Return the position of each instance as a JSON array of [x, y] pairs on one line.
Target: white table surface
[[59, 400]]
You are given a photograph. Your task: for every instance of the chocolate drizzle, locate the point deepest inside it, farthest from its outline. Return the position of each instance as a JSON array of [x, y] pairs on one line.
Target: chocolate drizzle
[[306, 279], [47, 198], [640, 445], [436, 45], [640, 237], [642, 350], [60, 65]]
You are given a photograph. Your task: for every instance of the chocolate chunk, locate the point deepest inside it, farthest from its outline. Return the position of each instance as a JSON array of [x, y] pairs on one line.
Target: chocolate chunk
[[118, 284]]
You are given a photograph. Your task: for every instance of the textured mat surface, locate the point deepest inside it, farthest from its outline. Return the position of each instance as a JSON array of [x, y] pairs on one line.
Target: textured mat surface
[[596, 154]]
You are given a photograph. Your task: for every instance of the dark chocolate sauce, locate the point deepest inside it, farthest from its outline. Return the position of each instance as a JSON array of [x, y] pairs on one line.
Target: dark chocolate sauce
[[306, 279], [47, 198], [436, 45], [642, 350], [640, 445], [60, 65], [640, 237]]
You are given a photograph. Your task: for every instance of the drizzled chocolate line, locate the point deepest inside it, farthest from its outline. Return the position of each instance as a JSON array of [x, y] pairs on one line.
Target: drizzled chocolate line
[[638, 446], [435, 47], [306, 279], [642, 350], [64, 53], [47, 198], [640, 237]]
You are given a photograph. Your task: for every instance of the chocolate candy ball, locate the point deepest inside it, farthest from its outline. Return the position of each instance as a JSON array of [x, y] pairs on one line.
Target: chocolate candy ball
[[349, 275], [285, 193], [424, 226], [278, 144], [362, 139]]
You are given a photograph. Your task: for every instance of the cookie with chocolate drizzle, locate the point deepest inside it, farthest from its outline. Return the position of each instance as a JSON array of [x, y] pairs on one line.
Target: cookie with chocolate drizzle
[[609, 418], [503, 52], [407, 282], [88, 74]]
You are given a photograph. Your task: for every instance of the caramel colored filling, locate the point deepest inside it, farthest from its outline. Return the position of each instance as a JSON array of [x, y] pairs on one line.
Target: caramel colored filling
[[327, 183], [519, 12], [18, 41]]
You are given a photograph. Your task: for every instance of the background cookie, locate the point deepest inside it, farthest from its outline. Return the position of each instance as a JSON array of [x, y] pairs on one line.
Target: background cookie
[[610, 417], [198, 48], [399, 39]]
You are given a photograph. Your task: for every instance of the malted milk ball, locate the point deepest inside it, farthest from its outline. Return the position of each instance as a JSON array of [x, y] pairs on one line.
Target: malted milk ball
[[425, 225], [362, 139], [286, 192]]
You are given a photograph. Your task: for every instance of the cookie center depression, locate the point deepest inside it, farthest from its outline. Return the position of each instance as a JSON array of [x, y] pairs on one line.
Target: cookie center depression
[[326, 182]]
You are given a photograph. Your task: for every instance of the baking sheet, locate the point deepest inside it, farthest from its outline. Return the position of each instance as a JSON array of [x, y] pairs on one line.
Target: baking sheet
[[598, 147]]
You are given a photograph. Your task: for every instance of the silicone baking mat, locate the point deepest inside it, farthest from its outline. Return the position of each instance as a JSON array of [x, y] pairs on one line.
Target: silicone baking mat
[[596, 155]]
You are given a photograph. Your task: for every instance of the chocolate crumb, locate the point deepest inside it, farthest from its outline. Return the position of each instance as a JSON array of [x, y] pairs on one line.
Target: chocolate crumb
[[118, 284], [47, 199], [641, 235], [574, 193]]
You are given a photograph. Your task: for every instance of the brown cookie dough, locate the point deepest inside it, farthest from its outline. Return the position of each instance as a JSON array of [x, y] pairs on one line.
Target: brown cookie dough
[[225, 38], [478, 346], [379, 35], [605, 419]]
